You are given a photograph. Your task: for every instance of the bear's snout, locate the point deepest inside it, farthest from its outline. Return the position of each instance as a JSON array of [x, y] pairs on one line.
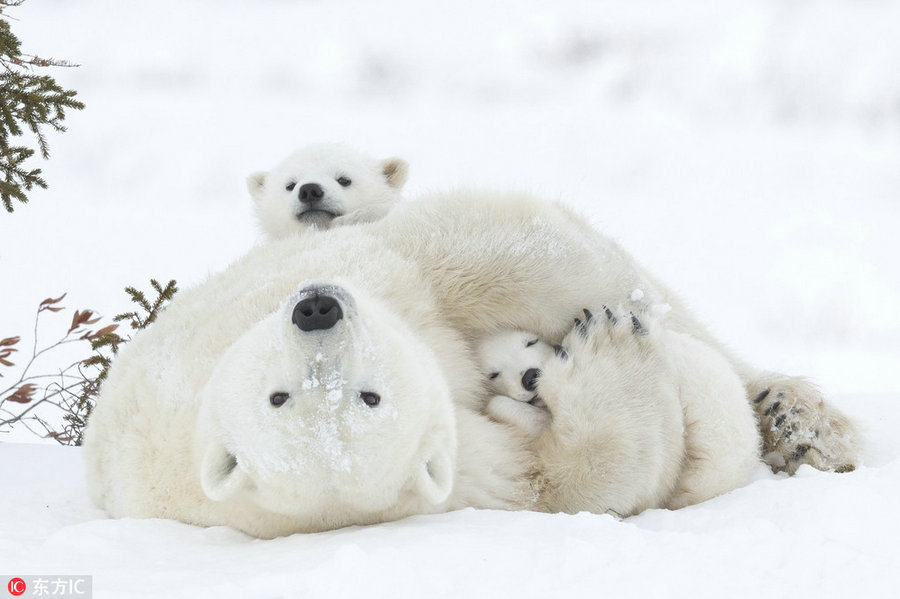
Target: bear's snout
[[317, 313], [529, 379], [310, 193]]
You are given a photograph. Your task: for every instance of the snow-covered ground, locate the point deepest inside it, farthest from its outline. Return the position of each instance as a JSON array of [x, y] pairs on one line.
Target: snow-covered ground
[[747, 151]]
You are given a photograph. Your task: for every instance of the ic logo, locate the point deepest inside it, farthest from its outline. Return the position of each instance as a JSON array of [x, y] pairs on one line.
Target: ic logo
[[16, 586]]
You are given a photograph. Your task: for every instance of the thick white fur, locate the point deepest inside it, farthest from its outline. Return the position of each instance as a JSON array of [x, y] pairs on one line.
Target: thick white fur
[[721, 441], [442, 273], [375, 186]]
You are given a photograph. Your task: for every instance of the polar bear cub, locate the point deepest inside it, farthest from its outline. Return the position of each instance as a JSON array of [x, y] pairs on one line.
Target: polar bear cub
[[325, 185], [511, 361], [694, 430]]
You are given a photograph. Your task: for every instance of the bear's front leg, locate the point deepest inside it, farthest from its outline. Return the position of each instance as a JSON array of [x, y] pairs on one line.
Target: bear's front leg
[[366, 214], [529, 419], [799, 427], [615, 440]]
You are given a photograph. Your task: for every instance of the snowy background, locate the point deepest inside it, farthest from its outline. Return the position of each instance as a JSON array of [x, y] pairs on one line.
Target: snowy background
[[747, 151]]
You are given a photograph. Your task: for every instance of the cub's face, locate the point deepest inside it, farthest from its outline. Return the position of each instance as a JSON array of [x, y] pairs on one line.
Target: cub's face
[[321, 183], [329, 410], [511, 362]]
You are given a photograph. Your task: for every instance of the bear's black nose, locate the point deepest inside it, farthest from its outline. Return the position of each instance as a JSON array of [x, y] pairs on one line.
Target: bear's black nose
[[317, 313], [310, 193], [529, 379]]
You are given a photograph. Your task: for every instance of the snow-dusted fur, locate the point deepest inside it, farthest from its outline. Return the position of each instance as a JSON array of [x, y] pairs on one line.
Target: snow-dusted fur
[[323, 186], [511, 362], [186, 426]]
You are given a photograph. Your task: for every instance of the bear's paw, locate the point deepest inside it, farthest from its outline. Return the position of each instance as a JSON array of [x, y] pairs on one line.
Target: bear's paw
[[798, 427]]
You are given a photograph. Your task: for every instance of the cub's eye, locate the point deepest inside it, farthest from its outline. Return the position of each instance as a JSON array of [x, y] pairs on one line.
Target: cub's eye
[[278, 398], [344, 181], [530, 343], [369, 398], [493, 375], [290, 186]]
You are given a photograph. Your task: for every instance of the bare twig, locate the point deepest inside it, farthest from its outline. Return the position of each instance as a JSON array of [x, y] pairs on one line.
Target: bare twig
[[71, 392]]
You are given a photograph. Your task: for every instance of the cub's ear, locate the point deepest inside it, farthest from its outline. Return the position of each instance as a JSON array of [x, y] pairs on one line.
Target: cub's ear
[[395, 170], [434, 480], [256, 184], [220, 475]]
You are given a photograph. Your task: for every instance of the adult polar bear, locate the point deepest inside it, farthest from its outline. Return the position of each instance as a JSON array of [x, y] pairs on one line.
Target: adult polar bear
[[250, 403]]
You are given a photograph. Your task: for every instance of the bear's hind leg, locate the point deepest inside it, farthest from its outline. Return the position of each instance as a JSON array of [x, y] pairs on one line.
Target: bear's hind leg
[[799, 427], [721, 437]]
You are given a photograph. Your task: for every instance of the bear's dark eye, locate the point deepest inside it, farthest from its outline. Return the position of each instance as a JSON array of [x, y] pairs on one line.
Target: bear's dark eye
[[344, 181], [493, 375], [290, 186], [369, 398], [278, 398], [530, 343]]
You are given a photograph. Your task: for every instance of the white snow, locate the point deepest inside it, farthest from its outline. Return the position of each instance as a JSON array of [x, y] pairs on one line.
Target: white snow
[[745, 150]]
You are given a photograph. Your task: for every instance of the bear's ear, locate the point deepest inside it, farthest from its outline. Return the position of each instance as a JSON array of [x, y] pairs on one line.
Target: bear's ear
[[395, 170], [256, 183], [220, 475], [435, 477]]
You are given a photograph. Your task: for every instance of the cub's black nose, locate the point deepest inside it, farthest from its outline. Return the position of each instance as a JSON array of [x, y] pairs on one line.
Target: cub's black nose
[[317, 313], [310, 193], [529, 379]]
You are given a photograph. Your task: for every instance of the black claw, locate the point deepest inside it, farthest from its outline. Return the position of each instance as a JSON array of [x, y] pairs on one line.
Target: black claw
[[801, 451], [588, 317], [761, 396], [580, 327], [609, 315], [537, 402], [560, 352], [637, 326], [780, 420], [771, 409]]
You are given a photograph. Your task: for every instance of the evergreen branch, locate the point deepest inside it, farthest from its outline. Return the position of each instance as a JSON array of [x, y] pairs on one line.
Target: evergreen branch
[[34, 102], [29, 60], [15, 180], [139, 321]]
